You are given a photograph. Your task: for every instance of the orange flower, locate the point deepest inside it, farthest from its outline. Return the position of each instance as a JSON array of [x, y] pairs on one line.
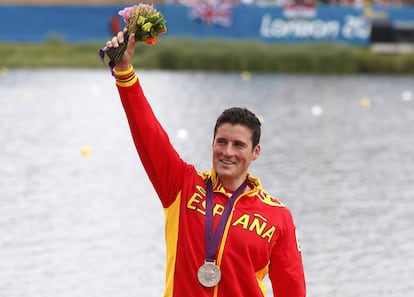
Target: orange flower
[[151, 40], [163, 31]]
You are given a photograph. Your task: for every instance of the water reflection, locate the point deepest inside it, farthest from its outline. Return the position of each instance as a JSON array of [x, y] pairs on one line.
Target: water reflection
[[78, 216]]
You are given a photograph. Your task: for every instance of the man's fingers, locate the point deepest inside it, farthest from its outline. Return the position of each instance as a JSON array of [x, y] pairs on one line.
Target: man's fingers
[[116, 40], [120, 37]]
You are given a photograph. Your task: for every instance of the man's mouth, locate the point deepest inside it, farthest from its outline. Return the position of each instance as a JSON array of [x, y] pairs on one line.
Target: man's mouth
[[227, 162]]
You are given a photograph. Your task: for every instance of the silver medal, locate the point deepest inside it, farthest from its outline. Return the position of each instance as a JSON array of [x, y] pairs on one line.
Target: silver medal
[[209, 274]]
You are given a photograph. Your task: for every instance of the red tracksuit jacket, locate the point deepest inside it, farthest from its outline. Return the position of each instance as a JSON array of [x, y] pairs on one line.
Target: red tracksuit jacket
[[259, 237]]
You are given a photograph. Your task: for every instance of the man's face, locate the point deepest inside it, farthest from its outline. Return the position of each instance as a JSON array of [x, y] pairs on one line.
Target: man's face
[[233, 153]]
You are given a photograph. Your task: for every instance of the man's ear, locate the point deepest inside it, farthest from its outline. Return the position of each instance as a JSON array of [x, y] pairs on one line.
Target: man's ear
[[256, 152]]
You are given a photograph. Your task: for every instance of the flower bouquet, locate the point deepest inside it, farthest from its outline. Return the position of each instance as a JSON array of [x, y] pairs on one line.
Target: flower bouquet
[[143, 20]]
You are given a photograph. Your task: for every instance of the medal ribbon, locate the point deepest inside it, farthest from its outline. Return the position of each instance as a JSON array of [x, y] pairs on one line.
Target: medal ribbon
[[213, 238]]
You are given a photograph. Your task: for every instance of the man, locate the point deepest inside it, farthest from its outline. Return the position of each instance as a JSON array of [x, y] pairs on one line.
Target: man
[[224, 233]]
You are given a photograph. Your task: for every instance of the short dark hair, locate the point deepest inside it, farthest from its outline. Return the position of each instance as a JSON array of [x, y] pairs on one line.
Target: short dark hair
[[242, 116]]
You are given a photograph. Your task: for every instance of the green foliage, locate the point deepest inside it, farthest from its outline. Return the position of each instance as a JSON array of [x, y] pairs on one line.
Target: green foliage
[[214, 55]]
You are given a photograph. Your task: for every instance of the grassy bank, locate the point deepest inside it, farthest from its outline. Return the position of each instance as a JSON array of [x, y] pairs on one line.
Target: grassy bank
[[215, 55]]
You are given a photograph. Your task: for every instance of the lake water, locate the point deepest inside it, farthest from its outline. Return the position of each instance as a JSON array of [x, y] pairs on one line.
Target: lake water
[[78, 216]]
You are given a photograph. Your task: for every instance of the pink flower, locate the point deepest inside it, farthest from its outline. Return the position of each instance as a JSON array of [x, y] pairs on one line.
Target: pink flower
[[126, 13]]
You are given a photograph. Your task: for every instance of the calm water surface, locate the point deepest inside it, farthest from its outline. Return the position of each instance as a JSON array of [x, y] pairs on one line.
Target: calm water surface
[[78, 216]]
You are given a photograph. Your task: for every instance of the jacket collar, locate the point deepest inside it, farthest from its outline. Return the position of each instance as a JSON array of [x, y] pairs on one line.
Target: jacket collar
[[253, 182]]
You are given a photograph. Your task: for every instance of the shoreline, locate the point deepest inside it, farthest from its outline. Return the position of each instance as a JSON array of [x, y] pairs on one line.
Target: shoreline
[[216, 55]]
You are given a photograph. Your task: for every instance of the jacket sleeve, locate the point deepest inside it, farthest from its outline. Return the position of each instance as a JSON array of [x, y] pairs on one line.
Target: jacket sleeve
[[160, 160], [286, 268]]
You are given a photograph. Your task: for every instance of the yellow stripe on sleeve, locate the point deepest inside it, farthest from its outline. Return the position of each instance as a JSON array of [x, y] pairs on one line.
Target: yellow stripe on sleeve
[[125, 78]]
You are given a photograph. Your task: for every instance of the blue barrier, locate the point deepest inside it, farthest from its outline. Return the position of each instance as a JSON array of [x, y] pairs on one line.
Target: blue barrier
[[78, 23]]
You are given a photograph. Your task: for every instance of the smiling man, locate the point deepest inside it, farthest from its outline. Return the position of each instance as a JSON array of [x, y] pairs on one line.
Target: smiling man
[[235, 145], [224, 232]]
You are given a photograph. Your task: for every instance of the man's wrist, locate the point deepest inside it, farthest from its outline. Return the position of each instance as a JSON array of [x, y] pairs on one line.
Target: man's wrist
[[125, 77], [122, 67]]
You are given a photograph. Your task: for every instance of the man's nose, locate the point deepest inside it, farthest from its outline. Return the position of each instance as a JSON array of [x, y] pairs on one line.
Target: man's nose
[[228, 150]]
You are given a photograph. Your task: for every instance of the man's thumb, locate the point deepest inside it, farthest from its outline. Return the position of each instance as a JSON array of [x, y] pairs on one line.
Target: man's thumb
[[131, 43]]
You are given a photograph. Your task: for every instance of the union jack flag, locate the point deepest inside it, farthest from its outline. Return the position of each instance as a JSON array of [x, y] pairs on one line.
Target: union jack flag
[[211, 12]]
